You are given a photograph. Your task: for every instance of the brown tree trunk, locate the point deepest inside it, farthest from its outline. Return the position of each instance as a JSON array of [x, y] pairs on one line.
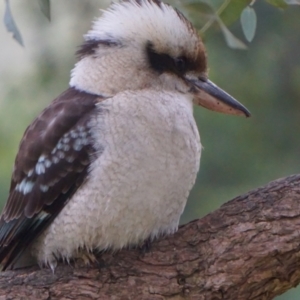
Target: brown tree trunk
[[247, 249]]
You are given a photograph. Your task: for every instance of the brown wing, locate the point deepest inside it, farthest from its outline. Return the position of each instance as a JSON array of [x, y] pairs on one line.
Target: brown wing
[[52, 162]]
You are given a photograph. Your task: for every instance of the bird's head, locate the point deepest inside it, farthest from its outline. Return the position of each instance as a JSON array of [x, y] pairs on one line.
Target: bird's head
[[139, 44]]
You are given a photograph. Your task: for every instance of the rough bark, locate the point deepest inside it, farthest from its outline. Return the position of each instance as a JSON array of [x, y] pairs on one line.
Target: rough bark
[[247, 249]]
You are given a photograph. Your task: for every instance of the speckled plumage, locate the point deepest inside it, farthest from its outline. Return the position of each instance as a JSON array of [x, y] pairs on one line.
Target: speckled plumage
[[111, 161]]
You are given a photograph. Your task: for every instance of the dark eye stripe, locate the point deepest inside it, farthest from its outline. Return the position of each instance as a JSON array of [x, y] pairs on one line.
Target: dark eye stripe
[[162, 62]]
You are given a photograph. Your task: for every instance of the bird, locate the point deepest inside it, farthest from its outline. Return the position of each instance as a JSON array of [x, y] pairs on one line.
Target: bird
[[111, 161]]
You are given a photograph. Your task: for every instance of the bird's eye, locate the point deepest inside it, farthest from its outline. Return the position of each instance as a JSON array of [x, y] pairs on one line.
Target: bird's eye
[[180, 64]]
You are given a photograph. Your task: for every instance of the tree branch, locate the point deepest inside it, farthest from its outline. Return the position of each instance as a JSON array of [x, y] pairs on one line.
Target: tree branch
[[247, 249]]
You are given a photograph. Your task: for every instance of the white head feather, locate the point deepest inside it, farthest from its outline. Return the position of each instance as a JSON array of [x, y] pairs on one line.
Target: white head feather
[[133, 22], [114, 56]]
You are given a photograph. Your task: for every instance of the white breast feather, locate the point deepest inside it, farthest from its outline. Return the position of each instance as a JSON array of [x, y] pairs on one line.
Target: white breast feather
[[139, 185]]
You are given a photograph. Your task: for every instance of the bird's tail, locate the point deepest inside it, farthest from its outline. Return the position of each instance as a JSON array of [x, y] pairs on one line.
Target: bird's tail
[[15, 237]]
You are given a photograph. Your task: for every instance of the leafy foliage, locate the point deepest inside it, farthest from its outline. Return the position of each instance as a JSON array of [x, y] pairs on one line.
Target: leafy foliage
[[11, 25], [220, 12], [231, 40], [45, 8], [224, 13]]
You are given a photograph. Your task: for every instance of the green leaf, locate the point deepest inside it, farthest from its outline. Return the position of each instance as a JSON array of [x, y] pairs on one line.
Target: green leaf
[[11, 25], [231, 40], [233, 11], [248, 21], [278, 3], [45, 8]]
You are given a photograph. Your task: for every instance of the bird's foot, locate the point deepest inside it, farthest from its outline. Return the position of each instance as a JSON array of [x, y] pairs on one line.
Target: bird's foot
[[145, 247], [84, 258]]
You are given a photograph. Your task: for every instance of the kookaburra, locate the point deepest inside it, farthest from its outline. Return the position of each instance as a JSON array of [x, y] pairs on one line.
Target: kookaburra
[[111, 161]]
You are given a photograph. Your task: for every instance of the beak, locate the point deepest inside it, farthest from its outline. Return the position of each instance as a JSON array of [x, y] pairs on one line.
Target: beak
[[210, 96]]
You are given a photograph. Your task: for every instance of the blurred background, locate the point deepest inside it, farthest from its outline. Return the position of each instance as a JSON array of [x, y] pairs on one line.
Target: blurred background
[[239, 154]]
